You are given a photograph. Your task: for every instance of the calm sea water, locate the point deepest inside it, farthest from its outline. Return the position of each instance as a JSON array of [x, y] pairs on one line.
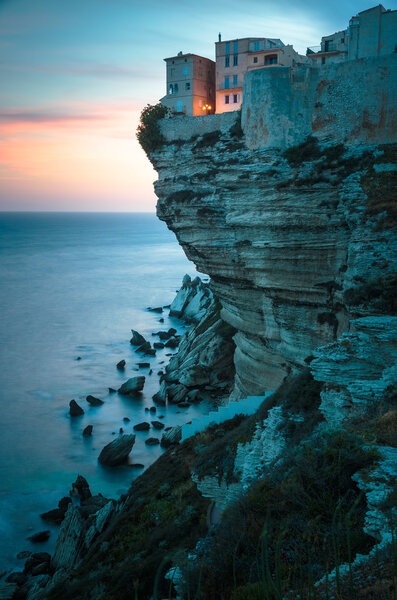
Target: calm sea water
[[73, 285]]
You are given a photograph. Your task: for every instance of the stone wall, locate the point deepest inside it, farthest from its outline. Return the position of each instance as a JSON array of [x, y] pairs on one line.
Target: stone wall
[[352, 102], [183, 128]]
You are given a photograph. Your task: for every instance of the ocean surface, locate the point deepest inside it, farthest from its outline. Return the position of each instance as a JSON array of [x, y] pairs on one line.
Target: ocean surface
[[73, 285]]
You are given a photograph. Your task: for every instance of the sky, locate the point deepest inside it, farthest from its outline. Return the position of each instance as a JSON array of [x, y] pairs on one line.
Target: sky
[[75, 75]]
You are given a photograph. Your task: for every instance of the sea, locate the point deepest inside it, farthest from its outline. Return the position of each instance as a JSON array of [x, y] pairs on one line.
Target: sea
[[72, 286]]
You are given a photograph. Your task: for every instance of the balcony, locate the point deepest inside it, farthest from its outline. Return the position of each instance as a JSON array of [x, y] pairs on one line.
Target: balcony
[[323, 49]]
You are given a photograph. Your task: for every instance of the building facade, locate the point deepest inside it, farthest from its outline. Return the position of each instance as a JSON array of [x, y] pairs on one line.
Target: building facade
[[234, 58], [373, 32], [190, 85]]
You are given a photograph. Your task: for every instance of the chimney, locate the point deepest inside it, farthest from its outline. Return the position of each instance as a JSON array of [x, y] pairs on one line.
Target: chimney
[[219, 37]]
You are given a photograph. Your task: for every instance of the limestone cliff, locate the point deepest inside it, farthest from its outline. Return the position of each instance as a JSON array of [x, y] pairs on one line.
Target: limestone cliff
[[287, 237]]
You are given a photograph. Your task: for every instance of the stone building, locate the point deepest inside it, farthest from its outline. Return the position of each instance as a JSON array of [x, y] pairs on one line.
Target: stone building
[[190, 85], [234, 58], [373, 32]]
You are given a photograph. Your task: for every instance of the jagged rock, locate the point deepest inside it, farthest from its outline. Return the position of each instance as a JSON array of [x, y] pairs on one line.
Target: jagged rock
[[87, 431], [94, 401], [161, 396], [117, 451], [142, 426], [158, 309], [121, 365], [357, 369], [40, 536], [172, 436], [137, 339], [74, 409], [192, 300], [157, 425], [102, 517], [158, 345], [132, 386], [24, 554], [112, 390], [57, 515], [152, 441], [81, 488], [176, 393], [41, 569]]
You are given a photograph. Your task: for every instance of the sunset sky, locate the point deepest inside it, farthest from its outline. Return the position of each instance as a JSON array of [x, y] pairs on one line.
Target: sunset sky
[[74, 76]]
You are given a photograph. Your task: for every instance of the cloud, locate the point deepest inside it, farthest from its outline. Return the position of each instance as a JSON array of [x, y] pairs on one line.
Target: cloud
[[45, 115]]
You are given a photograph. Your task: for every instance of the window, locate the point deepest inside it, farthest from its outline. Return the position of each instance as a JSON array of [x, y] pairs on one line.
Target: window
[[187, 85], [227, 84], [342, 41], [235, 60], [226, 99], [171, 89], [175, 88], [271, 59], [227, 61], [236, 98], [186, 70], [235, 46], [234, 79], [227, 48], [172, 71], [255, 59], [323, 60], [179, 108], [256, 46]]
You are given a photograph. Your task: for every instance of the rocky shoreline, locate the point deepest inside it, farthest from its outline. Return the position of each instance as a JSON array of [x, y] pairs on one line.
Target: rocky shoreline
[[200, 368]]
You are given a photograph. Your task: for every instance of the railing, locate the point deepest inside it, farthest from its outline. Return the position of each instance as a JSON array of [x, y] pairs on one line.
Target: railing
[[320, 49]]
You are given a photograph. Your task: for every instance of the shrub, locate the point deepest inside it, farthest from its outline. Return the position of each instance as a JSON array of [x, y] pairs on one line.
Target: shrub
[[378, 293], [148, 132]]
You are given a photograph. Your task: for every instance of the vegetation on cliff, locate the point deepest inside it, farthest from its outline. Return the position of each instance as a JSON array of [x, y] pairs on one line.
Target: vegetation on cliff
[[148, 133]]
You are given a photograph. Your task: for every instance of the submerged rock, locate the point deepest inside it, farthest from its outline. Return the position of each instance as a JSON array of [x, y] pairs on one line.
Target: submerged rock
[[94, 401], [132, 386], [75, 409], [40, 536], [121, 365], [142, 426], [152, 441], [117, 451], [137, 339], [157, 425], [87, 431]]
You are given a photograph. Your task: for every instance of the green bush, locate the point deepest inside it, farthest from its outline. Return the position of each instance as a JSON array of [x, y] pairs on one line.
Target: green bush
[[148, 132]]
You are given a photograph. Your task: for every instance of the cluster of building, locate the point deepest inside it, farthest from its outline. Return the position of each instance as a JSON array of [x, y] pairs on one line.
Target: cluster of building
[[198, 86]]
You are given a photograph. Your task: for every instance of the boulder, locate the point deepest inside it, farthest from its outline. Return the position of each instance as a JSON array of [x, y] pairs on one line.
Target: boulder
[[81, 488], [39, 537], [87, 431], [157, 425], [152, 409], [172, 343], [152, 441], [143, 365], [137, 339], [158, 345], [132, 386], [17, 577], [142, 426], [112, 390], [177, 393], [172, 436], [74, 409], [94, 401], [41, 569], [117, 451], [24, 555], [57, 515], [126, 419], [121, 365]]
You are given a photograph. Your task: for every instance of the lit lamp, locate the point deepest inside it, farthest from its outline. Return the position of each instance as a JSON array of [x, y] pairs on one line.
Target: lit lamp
[[207, 108]]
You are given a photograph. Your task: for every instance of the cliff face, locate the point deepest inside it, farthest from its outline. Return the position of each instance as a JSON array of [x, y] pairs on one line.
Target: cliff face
[[282, 244]]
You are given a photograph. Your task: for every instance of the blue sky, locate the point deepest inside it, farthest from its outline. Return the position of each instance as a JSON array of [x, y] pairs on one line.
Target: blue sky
[[75, 75]]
